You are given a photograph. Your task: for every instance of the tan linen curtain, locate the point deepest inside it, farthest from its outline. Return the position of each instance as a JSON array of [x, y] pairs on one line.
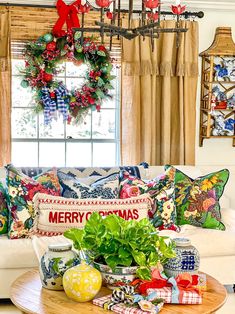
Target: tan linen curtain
[[159, 98], [5, 89]]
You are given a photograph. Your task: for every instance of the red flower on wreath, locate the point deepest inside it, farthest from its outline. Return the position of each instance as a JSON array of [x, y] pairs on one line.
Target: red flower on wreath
[[91, 100], [101, 48], [51, 46]]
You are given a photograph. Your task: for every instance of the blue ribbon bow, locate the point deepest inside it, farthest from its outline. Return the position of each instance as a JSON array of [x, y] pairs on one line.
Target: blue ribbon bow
[[62, 101], [51, 105]]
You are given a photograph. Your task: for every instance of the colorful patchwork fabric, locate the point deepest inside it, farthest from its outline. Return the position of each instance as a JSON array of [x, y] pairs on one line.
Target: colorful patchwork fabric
[[197, 200], [104, 187], [161, 190], [21, 190], [4, 213]]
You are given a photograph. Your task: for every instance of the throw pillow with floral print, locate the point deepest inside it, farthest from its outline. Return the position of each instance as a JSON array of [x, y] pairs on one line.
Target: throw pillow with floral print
[[21, 190], [161, 190], [197, 200], [4, 213]]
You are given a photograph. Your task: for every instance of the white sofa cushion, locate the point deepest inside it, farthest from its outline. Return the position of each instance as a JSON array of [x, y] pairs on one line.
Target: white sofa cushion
[[224, 202], [210, 242], [17, 253], [154, 171]]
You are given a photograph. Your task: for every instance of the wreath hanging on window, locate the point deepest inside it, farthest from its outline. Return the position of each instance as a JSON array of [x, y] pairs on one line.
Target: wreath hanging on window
[[42, 60]]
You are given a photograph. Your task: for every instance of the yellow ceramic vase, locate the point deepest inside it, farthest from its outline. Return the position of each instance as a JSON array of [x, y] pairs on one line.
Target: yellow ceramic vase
[[82, 283]]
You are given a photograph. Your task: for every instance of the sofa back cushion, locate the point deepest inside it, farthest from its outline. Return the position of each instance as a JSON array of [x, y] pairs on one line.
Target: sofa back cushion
[[100, 187], [83, 172], [56, 214], [161, 190], [21, 190]]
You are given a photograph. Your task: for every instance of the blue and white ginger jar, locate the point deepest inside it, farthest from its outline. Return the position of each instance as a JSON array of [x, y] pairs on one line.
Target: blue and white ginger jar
[[54, 264], [187, 259]]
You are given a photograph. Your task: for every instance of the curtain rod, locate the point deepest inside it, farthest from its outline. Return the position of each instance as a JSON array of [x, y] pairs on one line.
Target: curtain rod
[[186, 14]]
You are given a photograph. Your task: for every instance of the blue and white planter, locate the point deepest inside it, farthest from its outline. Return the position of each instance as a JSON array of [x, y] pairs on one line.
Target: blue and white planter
[[187, 259], [121, 276]]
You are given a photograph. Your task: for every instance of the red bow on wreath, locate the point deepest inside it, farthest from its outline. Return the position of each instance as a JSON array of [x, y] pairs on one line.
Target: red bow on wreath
[[67, 13]]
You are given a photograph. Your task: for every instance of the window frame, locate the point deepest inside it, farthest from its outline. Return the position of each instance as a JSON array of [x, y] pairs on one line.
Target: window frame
[[66, 140]]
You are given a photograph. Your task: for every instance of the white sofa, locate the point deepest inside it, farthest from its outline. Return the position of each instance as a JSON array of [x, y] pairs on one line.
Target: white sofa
[[217, 248]]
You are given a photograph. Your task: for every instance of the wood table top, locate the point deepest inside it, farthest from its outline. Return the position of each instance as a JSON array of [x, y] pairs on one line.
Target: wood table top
[[30, 297]]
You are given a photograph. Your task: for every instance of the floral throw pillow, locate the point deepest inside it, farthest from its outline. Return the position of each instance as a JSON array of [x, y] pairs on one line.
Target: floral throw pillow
[[161, 190], [197, 200], [21, 190], [104, 187], [4, 213]]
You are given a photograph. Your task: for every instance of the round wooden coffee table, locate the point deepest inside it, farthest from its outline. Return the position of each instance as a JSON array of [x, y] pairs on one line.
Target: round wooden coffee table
[[28, 295]]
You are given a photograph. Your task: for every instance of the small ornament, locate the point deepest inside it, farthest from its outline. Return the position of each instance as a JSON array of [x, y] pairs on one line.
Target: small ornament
[[24, 83], [47, 77], [82, 283], [52, 94], [48, 37], [51, 46]]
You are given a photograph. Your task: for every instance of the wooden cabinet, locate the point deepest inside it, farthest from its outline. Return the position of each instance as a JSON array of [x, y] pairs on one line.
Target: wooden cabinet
[[217, 109]]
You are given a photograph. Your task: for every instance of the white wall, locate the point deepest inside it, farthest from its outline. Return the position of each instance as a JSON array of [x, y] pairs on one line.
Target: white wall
[[214, 151]]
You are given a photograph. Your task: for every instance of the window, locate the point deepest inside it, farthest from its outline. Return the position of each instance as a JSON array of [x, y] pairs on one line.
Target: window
[[93, 143]]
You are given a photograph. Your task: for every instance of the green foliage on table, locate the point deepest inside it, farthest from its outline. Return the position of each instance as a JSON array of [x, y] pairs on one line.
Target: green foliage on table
[[114, 241]]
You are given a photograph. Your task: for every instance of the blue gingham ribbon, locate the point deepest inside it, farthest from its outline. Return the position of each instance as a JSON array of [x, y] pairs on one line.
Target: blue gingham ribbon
[[62, 96], [49, 105]]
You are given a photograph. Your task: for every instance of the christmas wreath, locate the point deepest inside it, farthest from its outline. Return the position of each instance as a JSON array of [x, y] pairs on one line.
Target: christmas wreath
[[42, 60]]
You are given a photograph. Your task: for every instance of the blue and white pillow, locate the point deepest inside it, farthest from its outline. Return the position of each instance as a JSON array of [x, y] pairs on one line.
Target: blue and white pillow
[[104, 187]]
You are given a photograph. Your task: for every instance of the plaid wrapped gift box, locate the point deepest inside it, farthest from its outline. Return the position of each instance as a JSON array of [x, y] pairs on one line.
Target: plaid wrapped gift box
[[118, 308], [180, 296]]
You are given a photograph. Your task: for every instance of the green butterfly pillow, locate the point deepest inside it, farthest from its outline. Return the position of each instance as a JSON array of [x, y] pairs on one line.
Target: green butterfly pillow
[[197, 200]]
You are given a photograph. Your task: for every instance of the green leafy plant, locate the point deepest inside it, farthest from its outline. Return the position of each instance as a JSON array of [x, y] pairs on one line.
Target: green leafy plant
[[114, 241]]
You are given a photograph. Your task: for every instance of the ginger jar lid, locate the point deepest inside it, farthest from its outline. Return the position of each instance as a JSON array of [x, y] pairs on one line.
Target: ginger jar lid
[[182, 241], [60, 247]]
